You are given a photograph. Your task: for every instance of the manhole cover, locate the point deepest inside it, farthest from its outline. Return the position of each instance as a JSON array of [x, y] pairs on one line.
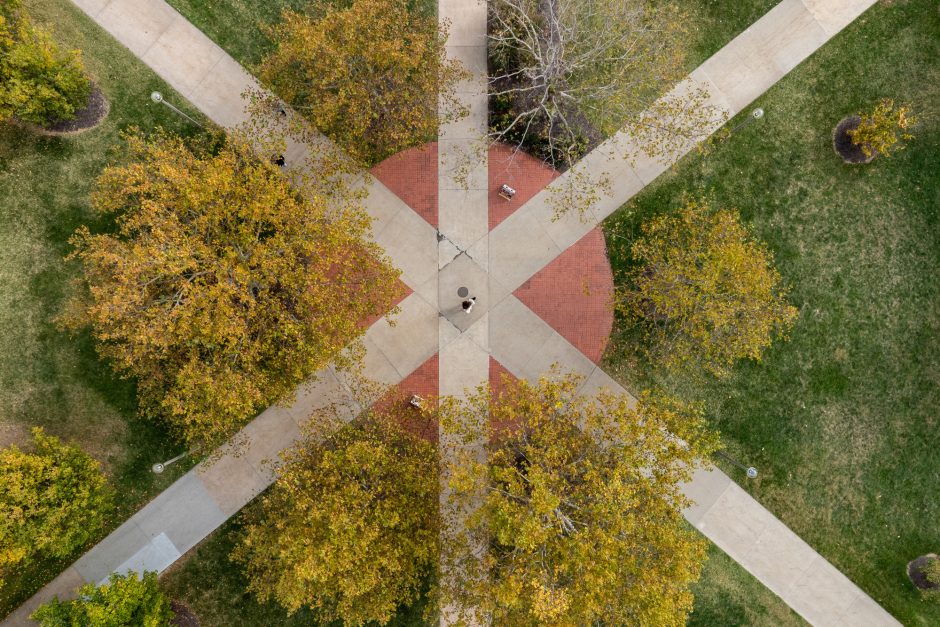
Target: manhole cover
[[462, 291]]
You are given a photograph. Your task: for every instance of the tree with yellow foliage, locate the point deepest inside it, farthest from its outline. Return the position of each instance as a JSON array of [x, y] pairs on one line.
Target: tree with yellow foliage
[[368, 74], [571, 514], [52, 500], [223, 287], [350, 528], [704, 290]]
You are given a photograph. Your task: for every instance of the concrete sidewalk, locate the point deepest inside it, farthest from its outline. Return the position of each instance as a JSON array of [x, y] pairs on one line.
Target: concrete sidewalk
[[493, 264], [734, 77], [205, 497], [722, 510]]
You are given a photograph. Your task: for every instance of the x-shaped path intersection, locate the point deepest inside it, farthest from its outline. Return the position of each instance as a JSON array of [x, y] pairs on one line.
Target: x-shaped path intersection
[[463, 252]]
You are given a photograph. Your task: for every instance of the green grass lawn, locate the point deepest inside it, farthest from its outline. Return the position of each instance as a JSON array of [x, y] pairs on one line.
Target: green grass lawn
[[726, 590], [238, 26], [841, 420], [727, 595], [46, 377]]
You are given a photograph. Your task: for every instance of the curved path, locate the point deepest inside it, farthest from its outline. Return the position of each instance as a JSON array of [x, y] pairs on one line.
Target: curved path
[[496, 264]]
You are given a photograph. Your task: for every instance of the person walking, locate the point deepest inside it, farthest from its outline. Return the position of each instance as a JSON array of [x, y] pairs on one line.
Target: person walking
[[467, 305]]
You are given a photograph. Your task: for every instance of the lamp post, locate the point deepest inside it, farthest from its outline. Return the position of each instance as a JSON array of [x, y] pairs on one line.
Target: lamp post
[[160, 467], [158, 98], [750, 471], [756, 114]]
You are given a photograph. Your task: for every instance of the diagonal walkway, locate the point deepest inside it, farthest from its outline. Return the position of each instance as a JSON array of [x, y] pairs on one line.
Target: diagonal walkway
[[205, 497], [722, 510], [495, 264], [734, 77], [214, 82]]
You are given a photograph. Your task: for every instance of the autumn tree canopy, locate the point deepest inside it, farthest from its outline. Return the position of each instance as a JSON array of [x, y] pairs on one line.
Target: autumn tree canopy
[[566, 74], [350, 528], [576, 506], [223, 287], [704, 290], [124, 601], [366, 73], [39, 83], [52, 500]]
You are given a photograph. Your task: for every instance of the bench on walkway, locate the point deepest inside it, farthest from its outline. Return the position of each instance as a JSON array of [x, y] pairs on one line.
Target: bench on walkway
[[506, 192]]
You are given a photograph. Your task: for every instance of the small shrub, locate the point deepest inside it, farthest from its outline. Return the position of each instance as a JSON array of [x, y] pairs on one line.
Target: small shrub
[[51, 501], [125, 601], [39, 83], [882, 131]]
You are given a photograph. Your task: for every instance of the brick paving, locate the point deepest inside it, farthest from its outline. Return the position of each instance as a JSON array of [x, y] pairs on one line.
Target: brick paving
[[523, 172], [422, 382], [522, 242], [498, 375], [574, 293], [412, 176]]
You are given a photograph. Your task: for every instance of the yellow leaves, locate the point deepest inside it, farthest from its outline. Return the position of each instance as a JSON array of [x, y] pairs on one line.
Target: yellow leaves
[[357, 524], [579, 516], [51, 501], [223, 288], [548, 604], [882, 130], [123, 600], [38, 82], [367, 74], [705, 291]]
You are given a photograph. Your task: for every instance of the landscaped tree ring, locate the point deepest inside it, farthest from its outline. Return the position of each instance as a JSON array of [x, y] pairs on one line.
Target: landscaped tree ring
[[844, 146], [916, 572]]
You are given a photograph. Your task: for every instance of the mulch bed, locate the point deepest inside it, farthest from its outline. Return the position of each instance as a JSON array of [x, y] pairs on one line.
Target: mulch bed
[[842, 142], [86, 118], [915, 570], [183, 615]]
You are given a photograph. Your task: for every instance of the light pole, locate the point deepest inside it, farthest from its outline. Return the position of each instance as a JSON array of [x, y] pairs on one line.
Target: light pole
[[159, 468], [157, 97], [750, 471], [756, 114]]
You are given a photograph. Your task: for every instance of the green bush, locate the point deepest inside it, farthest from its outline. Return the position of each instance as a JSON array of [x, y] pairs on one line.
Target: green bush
[[51, 502], [39, 83], [125, 601]]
